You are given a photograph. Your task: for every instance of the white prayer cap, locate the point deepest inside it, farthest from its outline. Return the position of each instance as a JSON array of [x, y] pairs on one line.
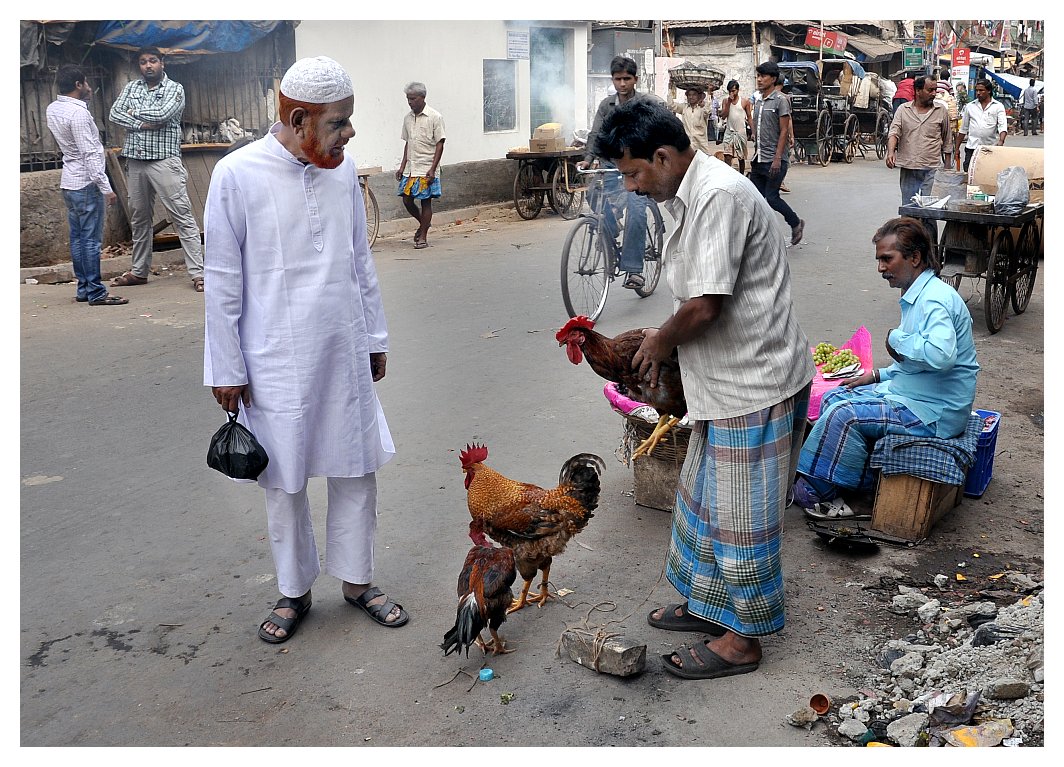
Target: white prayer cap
[[317, 80]]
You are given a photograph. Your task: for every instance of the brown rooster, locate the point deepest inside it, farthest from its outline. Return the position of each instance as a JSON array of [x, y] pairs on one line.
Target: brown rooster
[[611, 358], [483, 598], [535, 522]]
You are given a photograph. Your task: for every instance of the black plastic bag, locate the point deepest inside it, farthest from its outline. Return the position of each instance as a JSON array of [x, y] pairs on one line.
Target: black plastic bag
[[235, 452]]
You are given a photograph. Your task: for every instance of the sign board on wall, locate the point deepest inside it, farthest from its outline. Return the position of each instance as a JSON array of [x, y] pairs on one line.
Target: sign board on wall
[[516, 45], [833, 41], [962, 59], [914, 57]]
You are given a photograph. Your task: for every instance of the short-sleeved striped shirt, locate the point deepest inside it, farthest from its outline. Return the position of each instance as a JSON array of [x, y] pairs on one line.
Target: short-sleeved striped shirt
[[162, 106], [726, 242]]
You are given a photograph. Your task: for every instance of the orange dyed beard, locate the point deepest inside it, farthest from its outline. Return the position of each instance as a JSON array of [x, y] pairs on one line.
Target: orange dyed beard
[[310, 147]]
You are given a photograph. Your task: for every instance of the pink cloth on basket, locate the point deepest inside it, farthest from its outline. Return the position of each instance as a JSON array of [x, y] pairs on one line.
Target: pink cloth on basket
[[860, 343]]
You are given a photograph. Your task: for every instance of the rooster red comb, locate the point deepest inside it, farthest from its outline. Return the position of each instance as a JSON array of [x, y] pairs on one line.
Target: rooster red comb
[[579, 322], [473, 454]]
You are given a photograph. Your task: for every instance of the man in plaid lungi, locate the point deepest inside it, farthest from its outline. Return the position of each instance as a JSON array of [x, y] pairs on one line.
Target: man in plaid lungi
[[928, 391], [747, 373]]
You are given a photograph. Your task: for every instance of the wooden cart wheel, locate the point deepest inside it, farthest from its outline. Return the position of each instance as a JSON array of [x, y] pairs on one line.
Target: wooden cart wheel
[[567, 198], [882, 128], [825, 137], [851, 131], [997, 281], [1026, 267], [527, 200]]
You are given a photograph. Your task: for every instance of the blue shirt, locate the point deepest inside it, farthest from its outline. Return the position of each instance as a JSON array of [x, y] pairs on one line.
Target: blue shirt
[[936, 380]]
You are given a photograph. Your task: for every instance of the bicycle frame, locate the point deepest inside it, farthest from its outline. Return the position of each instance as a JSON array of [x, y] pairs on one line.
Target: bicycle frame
[[591, 256]]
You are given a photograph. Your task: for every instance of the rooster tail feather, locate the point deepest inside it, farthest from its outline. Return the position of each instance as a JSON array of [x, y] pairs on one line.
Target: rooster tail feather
[[467, 627], [582, 471]]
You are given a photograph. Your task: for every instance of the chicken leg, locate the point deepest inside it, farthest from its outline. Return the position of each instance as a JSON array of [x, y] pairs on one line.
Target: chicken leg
[[522, 600], [540, 599], [665, 423], [497, 645]]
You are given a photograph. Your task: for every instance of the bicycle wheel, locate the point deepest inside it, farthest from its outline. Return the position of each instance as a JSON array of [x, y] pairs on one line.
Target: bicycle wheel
[[373, 214], [652, 255], [585, 270]]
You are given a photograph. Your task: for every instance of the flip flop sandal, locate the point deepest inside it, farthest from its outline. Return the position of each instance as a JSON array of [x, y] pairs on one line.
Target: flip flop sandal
[[837, 509], [634, 282], [124, 280], [288, 625], [197, 284], [109, 301], [709, 665], [380, 612], [686, 622], [419, 244]]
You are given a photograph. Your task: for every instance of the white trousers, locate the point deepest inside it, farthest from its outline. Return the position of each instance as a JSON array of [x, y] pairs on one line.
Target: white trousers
[[350, 528]]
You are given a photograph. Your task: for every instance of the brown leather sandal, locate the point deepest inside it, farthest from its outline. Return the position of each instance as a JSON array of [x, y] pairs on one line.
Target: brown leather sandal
[[127, 279], [197, 284]]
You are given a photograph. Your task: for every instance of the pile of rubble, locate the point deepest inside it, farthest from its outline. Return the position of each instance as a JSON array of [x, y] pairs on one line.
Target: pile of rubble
[[972, 675]]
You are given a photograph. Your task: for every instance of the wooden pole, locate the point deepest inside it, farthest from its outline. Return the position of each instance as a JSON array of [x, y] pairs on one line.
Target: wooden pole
[[753, 41]]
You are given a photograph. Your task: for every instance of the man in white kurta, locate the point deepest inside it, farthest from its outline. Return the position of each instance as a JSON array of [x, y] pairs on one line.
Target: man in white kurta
[[296, 336]]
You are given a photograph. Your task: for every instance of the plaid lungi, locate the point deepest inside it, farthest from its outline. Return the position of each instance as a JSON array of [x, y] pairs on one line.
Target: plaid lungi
[[724, 556], [850, 423]]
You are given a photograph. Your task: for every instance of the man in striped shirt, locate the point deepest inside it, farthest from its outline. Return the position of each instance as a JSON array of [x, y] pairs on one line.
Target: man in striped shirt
[[747, 375], [86, 190], [150, 110]]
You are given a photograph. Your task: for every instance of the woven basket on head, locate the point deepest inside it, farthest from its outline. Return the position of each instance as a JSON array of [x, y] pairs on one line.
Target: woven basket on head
[[673, 446], [686, 76]]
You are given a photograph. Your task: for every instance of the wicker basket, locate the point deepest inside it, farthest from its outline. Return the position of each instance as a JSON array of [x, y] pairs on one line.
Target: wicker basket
[[671, 449], [686, 76]]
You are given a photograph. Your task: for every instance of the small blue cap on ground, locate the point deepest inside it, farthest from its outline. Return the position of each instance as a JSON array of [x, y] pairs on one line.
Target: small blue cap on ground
[[486, 675]]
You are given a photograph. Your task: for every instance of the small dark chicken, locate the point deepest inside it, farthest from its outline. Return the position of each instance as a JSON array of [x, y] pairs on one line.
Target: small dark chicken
[[611, 358], [483, 598], [533, 521]]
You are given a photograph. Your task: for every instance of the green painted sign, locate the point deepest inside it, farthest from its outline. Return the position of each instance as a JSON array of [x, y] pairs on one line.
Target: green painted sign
[[914, 56]]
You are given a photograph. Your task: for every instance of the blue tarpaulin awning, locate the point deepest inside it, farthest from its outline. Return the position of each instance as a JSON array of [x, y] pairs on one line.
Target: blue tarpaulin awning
[[184, 37], [1012, 84]]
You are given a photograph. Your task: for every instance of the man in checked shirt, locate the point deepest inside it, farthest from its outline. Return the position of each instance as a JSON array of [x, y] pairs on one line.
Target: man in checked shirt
[[150, 110], [86, 190]]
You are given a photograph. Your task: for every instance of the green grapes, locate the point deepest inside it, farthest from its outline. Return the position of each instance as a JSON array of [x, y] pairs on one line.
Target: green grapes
[[822, 353], [840, 359], [830, 359]]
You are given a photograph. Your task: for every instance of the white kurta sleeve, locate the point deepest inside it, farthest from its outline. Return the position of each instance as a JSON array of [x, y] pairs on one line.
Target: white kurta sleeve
[[225, 229]]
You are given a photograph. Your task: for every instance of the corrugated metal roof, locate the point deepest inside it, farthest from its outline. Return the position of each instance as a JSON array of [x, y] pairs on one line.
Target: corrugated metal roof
[[873, 46]]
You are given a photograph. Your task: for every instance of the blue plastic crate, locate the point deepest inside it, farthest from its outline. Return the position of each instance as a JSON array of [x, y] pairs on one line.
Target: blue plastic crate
[[983, 468]]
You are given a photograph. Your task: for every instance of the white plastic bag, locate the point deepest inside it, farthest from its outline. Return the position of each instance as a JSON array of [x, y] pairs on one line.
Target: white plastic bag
[[1013, 191]]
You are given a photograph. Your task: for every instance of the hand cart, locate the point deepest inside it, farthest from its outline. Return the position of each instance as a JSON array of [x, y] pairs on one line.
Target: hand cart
[[986, 244], [550, 175]]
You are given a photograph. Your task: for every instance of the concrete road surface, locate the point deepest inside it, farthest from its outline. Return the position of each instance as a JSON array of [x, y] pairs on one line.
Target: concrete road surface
[[144, 574]]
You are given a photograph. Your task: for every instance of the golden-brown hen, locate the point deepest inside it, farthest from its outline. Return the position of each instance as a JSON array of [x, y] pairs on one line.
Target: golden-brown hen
[[611, 358], [483, 598], [533, 521]]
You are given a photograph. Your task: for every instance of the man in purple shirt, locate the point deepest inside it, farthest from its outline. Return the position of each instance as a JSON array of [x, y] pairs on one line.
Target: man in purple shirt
[[86, 190]]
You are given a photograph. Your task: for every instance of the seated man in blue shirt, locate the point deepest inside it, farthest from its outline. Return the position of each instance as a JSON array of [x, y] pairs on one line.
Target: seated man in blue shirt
[[928, 390]]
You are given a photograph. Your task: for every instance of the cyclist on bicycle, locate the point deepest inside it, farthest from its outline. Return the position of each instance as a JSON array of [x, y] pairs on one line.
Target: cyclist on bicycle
[[624, 72]]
